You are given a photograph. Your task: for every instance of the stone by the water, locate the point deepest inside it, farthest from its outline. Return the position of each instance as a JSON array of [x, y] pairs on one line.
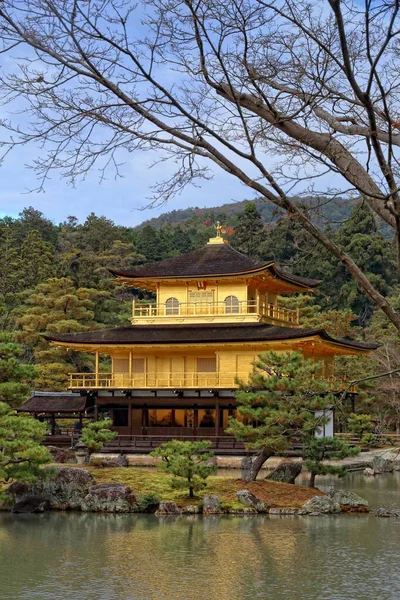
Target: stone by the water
[[386, 513], [319, 505], [63, 488], [283, 511], [286, 471], [30, 504], [212, 505], [110, 497], [380, 464], [350, 502], [368, 472], [168, 509], [249, 499]]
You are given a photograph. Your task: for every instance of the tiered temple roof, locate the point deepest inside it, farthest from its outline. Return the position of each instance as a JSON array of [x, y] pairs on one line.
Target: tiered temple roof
[[200, 333]]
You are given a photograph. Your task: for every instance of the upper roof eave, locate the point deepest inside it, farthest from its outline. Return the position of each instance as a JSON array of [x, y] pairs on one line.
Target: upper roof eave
[[201, 334], [301, 282]]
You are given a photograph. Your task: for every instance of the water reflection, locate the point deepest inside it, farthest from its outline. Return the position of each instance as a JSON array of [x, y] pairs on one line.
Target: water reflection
[[107, 557]]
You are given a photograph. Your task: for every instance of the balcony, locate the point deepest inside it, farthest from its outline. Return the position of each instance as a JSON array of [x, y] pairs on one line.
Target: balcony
[[176, 380], [218, 312]]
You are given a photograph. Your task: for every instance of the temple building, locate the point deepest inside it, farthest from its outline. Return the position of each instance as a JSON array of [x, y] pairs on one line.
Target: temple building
[[173, 372]]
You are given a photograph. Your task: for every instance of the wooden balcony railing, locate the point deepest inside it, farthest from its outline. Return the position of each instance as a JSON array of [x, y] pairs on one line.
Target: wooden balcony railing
[[153, 380], [270, 312], [178, 380]]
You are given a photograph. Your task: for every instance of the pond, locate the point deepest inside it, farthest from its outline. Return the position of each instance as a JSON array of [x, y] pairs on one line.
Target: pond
[[74, 556]]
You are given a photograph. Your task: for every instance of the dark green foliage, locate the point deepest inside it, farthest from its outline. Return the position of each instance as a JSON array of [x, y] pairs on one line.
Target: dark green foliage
[[188, 462], [148, 503], [278, 404], [249, 231], [22, 454], [360, 424], [97, 433], [16, 378], [318, 450]]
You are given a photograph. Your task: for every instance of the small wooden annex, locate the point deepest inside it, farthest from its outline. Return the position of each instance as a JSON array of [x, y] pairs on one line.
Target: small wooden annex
[[174, 368]]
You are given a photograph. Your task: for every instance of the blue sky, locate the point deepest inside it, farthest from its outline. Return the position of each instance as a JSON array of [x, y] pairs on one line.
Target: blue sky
[[121, 200]]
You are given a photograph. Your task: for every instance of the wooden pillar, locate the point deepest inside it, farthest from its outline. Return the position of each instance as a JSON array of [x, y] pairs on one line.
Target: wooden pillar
[[97, 355], [195, 420], [217, 418], [130, 368], [145, 419], [96, 410]]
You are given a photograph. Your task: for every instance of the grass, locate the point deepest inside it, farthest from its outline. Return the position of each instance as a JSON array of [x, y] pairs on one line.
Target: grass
[[143, 481]]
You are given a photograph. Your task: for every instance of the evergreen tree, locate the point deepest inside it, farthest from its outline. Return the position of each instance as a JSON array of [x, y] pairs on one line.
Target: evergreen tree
[[372, 252], [22, 453], [37, 260], [149, 244], [57, 307], [249, 231], [97, 433], [16, 378], [278, 405], [320, 449], [187, 462]]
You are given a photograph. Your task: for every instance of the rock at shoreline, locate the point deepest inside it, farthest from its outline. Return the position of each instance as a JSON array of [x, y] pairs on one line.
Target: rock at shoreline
[[212, 505], [249, 499], [382, 465], [30, 504], [190, 509], [168, 509], [63, 488], [385, 513], [283, 511], [320, 505], [110, 497], [350, 502], [286, 472], [368, 472]]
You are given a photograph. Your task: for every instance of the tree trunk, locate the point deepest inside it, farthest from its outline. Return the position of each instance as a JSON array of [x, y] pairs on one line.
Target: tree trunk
[[252, 466], [311, 482], [191, 494]]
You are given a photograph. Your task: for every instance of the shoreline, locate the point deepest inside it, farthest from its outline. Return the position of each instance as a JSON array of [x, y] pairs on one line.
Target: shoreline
[[352, 464]]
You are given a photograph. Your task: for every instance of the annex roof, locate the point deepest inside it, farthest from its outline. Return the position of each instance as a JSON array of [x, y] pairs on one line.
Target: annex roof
[[210, 261], [200, 333], [54, 402]]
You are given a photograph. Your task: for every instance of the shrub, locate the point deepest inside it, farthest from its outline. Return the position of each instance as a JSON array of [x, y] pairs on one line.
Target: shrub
[[97, 433], [149, 502], [188, 462]]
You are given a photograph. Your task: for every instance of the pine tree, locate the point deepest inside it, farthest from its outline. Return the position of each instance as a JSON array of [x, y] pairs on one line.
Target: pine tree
[[188, 462], [57, 307], [249, 231], [22, 453], [37, 260], [278, 405], [16, 378], [320, 449]]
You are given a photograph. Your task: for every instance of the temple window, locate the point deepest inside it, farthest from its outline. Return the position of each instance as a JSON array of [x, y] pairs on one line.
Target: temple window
[[207, 365], [172, 306], [137, 365], [200, 297], [231, 304]]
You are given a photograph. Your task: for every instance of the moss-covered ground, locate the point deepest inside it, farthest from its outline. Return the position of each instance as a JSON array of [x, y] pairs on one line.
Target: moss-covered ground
[[143, 481]]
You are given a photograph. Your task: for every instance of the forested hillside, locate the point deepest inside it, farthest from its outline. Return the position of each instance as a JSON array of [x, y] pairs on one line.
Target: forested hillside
[[54, 278]]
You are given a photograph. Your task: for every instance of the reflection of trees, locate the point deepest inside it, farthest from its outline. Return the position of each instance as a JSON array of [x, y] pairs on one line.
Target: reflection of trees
[[138, 557]]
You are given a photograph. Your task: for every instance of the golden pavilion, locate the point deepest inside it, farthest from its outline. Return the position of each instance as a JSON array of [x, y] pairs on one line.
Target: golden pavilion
[[173, 370]]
